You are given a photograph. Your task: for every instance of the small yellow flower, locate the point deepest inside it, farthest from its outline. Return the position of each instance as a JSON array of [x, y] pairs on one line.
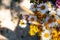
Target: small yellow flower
[[54, 33], [36, 29], [33, 30]]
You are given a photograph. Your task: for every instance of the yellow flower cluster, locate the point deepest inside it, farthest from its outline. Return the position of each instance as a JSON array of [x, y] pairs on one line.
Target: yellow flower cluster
[[55, 35], [33, 30]]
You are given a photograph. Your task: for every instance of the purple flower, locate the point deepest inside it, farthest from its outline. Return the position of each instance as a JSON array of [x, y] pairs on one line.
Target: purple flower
[[58, 3]]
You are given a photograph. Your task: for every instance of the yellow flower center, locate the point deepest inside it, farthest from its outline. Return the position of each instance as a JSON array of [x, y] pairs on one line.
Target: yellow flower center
[[22, 23], [46, 35]]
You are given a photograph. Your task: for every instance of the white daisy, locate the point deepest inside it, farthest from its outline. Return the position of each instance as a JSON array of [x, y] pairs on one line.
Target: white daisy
[[46, 35], [42, 7], [32, 18], [23, 23]]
